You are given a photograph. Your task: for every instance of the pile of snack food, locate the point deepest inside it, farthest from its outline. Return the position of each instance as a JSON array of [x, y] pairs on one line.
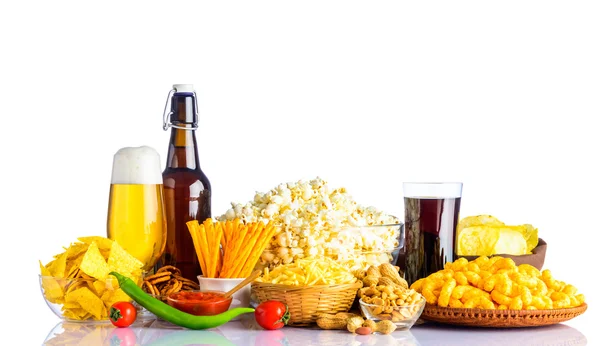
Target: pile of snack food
[[318, 221], [496, 283], [77, 279], [297, 231], [168, 280]]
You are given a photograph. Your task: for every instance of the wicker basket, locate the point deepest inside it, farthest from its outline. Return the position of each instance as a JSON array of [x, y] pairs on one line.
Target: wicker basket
[[306, 302], [500, 318]]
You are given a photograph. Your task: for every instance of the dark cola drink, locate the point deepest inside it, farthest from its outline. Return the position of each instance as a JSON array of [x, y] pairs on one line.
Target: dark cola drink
[[430, 225]]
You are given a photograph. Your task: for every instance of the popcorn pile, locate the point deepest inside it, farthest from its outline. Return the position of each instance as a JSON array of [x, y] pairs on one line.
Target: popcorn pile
[[316, 221]]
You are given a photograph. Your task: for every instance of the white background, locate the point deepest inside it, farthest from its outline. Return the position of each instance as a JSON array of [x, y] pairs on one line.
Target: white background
[[501, 96]]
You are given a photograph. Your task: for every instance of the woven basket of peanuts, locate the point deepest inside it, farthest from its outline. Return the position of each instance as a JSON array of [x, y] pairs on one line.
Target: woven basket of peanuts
[[495, 292]]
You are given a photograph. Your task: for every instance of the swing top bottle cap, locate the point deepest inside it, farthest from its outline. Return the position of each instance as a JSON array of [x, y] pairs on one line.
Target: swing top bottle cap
[[183, 88]]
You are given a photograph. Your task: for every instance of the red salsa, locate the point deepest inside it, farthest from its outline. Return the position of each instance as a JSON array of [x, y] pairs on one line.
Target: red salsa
[[199, 303]]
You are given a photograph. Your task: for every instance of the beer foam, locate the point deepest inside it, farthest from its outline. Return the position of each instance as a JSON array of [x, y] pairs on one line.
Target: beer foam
[[136, 165]]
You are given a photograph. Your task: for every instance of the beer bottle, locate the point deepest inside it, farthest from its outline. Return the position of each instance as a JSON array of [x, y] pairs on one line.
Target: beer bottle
[[187, 190]]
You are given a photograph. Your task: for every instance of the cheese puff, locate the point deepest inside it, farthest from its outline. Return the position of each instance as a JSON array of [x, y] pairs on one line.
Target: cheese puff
[[485, 274], [474, 292], [431, 284], [418, 285], [502, 307], [459, 264], [573, 301], [525, 295], [502, 263], [446, 292], [570, 290], [490, 282], [501, 298], [485, 303], [538, 302], [558, 296], [580, 298], [437, 292], [526, 281], [461, 279], [481, 261], [549, 304], [529, 270], [473, 267], [473, 278], [437, 276], [516, 304], [531, 307], [459, 291], [504, 285], [550, 281], [448, 274], [507, 271], [479, 301], [455, 303], [560, 300], [429, 296], [540, 289]]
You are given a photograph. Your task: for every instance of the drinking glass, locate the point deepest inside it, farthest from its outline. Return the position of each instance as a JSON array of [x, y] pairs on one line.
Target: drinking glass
[[431, 216], [136, 212]]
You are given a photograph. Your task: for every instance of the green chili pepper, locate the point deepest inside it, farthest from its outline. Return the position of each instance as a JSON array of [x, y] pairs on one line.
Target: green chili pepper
[[170, 314]]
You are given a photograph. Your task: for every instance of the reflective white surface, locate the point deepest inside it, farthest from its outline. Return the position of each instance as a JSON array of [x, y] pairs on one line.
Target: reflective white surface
[[245, 332]]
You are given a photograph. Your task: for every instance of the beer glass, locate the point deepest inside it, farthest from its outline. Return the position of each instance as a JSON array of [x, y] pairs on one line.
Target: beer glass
[[431, 216], [136, 215]]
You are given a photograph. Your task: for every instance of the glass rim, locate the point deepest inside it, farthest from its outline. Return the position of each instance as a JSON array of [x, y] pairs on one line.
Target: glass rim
[[424, 190]]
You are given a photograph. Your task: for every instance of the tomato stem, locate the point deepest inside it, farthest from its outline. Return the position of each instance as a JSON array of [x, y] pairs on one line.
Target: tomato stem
[[115, 314], [285, 318]]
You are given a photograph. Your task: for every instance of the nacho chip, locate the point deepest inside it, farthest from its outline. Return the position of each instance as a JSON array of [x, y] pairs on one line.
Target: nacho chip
[[103, 243], [58, 266], [116, 296], [52, 289], [93, 264], [121, 261], [76, 249], [88, 301], [99, 287]]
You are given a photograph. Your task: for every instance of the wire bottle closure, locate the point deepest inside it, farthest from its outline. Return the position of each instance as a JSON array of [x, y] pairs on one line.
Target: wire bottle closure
[[167, 113]]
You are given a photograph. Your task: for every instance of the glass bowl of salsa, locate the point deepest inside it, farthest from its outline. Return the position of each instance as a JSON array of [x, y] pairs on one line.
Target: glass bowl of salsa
[[198, 303]]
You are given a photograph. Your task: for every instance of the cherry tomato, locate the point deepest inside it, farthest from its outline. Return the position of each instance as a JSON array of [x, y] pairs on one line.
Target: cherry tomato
[[122, 314], [272, 314]]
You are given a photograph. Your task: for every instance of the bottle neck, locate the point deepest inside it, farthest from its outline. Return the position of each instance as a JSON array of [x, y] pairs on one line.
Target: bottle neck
[[183, 149]]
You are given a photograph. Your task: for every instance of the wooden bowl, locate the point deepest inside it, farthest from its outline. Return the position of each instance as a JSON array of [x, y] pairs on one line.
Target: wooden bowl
[[536, 259], [500, 318]]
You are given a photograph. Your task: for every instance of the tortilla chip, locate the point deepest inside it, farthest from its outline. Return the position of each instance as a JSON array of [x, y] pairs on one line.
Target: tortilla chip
[[76, 249], [99, 287], [52, 289], [116, 296], [121, 261], [103, 243], [93, 264], [88, 301], [58, 266]]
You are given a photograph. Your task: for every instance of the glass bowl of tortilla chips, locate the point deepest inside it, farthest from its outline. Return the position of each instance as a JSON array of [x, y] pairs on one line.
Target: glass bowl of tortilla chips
[[76, 284]]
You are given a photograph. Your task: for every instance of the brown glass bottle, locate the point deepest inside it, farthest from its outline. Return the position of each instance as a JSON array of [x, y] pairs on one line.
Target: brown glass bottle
[[187, 190]]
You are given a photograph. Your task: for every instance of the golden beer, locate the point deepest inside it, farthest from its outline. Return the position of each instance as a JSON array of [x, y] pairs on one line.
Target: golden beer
[[136, 214]]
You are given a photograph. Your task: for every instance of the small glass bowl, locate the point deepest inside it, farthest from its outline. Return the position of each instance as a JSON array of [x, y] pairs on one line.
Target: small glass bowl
[[55, 289], [404, 317], [199, 307]]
